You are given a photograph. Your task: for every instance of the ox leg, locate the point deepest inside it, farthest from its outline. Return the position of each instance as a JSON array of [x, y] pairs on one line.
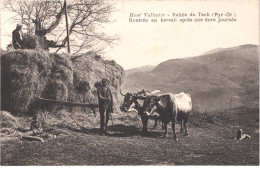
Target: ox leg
[[185, 128], [181, 127], [165, 129], [145, 123], [162, 126], [180, 119], [173, 129], [155, 123]]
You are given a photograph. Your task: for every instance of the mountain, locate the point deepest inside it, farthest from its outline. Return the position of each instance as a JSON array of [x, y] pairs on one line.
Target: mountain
[[214, 51], [212, 79], [146, 68]]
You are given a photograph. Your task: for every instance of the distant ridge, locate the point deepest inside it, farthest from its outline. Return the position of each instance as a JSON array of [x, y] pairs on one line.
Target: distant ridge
[[211, 79], [231, 48], [214, 51], [146, 68]]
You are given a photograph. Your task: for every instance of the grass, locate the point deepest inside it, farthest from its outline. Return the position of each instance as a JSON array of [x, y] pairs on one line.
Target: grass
[[207, 144], [211, 135]]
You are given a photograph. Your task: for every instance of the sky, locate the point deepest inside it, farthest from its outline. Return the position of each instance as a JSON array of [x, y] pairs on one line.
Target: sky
[[152, 43]]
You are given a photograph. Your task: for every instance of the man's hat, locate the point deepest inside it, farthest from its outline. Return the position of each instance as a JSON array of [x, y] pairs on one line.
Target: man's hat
[[19, 25], [97, 84]]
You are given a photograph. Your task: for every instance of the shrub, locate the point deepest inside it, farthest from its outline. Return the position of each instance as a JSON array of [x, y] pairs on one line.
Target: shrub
[[218, 118]]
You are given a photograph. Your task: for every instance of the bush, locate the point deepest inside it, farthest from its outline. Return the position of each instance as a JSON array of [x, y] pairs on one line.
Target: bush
[[218, 118]]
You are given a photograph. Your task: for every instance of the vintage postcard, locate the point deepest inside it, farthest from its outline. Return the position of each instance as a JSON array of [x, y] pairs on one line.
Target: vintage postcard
[[129, 82]]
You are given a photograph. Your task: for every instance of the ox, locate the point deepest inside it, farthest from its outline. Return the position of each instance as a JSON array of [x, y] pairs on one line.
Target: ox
[[133, 101], [170, 107]]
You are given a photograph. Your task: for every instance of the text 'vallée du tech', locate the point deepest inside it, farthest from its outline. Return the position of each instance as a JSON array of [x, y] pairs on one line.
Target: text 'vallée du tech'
[[214, 17]]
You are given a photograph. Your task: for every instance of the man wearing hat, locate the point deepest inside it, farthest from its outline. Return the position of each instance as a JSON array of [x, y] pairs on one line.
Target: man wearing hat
[[105, 103], [17, 37]]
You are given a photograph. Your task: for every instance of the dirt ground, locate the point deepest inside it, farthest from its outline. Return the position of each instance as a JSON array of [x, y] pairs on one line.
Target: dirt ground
[[207, 144]]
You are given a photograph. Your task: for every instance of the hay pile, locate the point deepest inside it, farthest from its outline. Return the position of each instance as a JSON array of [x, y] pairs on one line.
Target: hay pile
[[8, 121], [89, 69], [35, 42], [31, 42], [27, 74], [61, 78], [24, 75]]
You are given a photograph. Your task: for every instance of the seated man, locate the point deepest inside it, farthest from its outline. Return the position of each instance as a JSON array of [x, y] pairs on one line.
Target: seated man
[[36, 125]]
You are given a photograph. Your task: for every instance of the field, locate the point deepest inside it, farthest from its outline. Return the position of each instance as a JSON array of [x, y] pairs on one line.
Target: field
[[224, 87], [210, 142]]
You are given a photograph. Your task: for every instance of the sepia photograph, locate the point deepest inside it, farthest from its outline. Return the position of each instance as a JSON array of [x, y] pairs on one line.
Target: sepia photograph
[[129, 83]]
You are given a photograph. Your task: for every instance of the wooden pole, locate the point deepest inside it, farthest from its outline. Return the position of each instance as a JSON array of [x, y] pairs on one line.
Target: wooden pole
[[66, 103], [67, 28]]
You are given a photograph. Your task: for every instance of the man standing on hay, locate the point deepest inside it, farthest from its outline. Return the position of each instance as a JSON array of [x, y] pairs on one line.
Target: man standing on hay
[[17, 37], [105, 103]]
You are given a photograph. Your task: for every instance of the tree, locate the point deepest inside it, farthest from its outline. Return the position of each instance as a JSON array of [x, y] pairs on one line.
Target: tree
[[86, 19]]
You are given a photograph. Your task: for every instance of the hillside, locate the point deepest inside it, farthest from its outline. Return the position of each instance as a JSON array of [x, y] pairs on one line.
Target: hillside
[[211, 79], [139, 69], [214, 51]]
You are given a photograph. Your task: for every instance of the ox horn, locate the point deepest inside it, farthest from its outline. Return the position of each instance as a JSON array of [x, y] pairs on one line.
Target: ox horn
[[121, 93]]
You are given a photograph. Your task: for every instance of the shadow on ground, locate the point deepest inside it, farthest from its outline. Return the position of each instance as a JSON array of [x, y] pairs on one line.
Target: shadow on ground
[[117, 130]]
